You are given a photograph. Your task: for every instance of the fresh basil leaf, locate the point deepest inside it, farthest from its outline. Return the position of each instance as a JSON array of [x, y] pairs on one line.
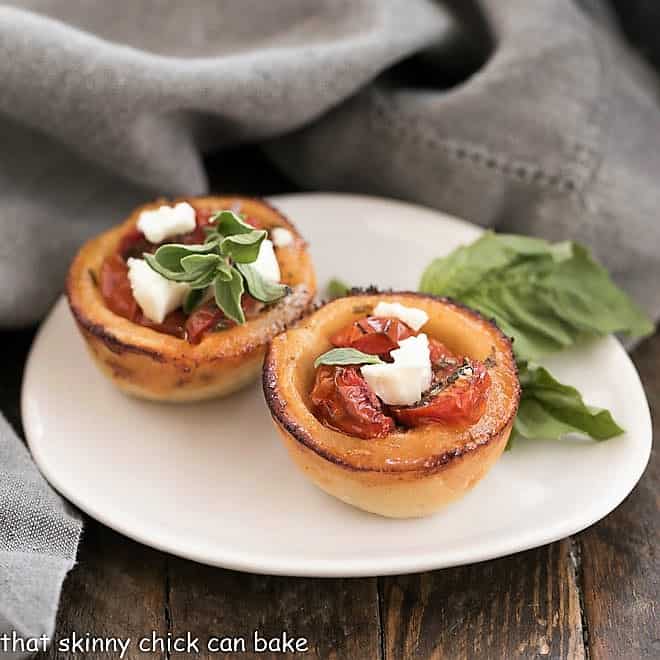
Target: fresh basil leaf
[[550, 410], [546, 296], [200, 262], [346, 356], [229, 223], [260, 288], [243, 248], [228, 296], [337, 289], [193, 298]]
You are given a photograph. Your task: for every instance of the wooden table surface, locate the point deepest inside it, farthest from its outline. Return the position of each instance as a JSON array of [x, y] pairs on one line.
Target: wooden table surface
[[593, 595]]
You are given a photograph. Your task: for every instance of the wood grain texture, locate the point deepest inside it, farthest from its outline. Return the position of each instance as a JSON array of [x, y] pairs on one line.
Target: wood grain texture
[[522, 606], [620, 566], [339, 618], [117, 589]]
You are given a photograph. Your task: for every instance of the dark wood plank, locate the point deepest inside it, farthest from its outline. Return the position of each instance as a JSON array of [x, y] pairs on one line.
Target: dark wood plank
[[522, 606], [620, 565], [16, 345], [338, 618], [117, 589]]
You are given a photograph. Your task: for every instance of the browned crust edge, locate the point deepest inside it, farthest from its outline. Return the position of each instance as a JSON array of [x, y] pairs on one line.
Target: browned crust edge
[[278, 406]]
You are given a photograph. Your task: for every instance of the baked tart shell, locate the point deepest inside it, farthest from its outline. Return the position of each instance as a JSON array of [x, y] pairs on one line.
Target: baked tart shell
[[152, 365], [409, 473]]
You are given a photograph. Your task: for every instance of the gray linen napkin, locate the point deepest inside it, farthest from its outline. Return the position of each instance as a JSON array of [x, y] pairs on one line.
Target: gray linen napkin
[[525, 115], [38, 539]]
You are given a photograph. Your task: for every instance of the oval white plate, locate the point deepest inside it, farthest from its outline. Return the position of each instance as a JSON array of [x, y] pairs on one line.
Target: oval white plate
[[211, 482]]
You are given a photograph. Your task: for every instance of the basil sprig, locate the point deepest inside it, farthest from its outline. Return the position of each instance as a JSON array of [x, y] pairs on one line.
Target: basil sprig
[[223, 261], [546, 296], [551, 410], [346, 356]]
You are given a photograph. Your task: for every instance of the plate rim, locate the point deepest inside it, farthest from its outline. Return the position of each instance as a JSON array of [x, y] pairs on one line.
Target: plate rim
[[333, 568]]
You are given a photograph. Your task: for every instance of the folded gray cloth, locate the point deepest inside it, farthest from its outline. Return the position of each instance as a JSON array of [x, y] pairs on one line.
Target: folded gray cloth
[[38, 539], [525, 115]]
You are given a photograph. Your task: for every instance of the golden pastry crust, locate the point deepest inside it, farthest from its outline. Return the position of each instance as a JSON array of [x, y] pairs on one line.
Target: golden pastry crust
[[408, 473], [153, 365]]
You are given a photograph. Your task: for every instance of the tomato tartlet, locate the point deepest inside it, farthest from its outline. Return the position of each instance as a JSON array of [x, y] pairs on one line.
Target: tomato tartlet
[[396, 403], [179, 302]]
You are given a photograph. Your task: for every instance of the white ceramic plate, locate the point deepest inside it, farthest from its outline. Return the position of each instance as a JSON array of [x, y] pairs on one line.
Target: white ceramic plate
[[211, 482]]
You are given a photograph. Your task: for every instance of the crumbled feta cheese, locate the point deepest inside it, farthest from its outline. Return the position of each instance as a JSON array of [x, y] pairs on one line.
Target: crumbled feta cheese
[[281, 236], [165, 221], [403, 381], [266, 264], [411, 316], [155, 295]]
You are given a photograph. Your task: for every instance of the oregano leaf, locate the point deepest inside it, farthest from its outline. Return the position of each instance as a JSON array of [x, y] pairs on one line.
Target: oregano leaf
[[229, 223], [193, 298], [200, 262], [228, 296], [259, 287], [243, 248]]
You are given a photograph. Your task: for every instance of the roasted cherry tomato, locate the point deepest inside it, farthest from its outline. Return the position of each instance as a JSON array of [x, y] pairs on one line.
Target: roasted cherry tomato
[[373, 334], [173, 324], [343, 400], [203, 216], [197, 235], [134, 244], [443, 361], [204, 318], [118, 296], [116, 288], [439, 352], [458, 400], [208, 316]]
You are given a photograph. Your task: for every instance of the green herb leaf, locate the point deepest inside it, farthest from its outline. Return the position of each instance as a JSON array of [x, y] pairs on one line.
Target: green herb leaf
[[243, 248], [200, 262], [175, 276], [346, 356], [547, 296], [204, 280], [224, 271], [337, 289], [169, 256], [192, 300], [550, 410], [228, 296], [262, 289], [229, 223]]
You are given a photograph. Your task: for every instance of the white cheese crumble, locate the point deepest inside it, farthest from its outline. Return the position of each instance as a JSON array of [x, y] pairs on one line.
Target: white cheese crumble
[[266, 264], [411, 316], [403, 381], [155, 295], [165, 221], [281, 237]]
